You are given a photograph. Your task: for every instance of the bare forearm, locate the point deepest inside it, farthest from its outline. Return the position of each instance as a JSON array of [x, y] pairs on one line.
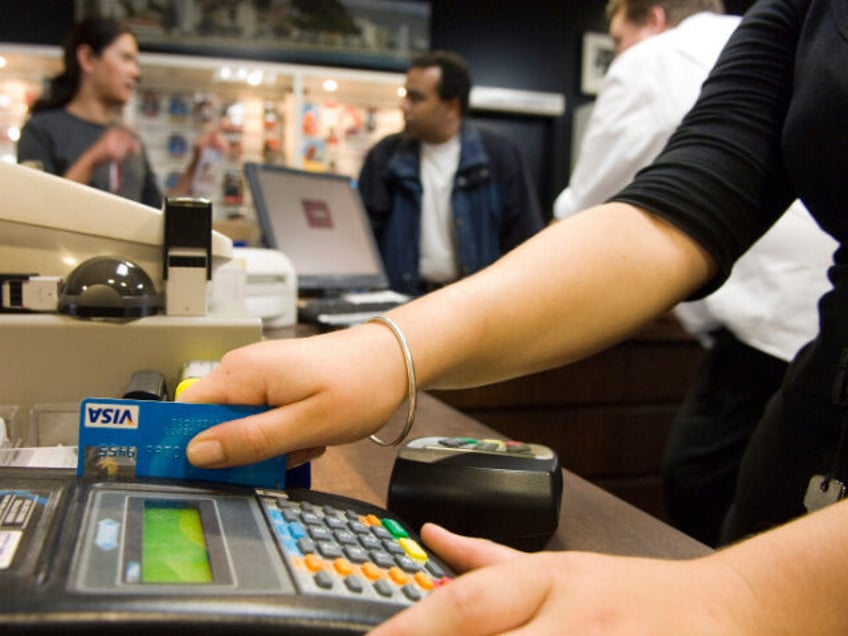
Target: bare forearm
[[183, 185], [506, 321], [789, 581], [114, 145], [509, 320], [797, 574], [83, 168]]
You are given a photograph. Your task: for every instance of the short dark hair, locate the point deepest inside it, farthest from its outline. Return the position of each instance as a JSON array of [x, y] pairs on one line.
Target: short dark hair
[[456, 76], [97, 33], [636, 11]]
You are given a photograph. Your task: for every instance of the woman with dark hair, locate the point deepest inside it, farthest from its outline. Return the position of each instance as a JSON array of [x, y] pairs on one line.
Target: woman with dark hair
[[75, 130]]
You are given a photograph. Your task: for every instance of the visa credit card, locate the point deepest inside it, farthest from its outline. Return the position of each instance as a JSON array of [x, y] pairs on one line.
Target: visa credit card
[[125, 439]]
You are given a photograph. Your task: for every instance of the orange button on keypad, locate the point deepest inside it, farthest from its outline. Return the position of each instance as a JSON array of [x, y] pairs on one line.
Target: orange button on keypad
[[342, 566], [313, 562], [424, 581], [397, 575], [371, 571]]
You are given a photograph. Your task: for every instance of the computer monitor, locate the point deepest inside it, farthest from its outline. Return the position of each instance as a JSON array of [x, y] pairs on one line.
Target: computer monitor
[[319, 222]]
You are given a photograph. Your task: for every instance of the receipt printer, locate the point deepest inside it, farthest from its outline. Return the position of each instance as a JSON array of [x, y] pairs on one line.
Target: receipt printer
[[263, 281]]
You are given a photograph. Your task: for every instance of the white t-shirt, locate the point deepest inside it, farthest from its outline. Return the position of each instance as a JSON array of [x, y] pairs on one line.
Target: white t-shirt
[[439, 163]]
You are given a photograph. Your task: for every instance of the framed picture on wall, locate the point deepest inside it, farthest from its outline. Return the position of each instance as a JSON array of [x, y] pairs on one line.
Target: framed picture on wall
[[598, 51]]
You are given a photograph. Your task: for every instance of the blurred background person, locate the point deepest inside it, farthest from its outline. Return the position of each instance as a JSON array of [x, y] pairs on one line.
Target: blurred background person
[[445, 198], [76, 130]]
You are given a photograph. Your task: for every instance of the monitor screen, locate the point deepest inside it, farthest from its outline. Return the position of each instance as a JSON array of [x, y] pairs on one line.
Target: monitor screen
[[318, 221]]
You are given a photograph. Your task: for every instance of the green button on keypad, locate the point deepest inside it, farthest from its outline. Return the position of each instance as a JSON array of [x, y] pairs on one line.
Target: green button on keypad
[[394, 528]]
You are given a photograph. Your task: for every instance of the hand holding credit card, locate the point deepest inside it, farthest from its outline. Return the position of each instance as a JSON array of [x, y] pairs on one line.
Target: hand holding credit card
[[125, 439]]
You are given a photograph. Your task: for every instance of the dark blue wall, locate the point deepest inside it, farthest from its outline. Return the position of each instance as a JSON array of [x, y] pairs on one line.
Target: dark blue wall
[[35, 21]]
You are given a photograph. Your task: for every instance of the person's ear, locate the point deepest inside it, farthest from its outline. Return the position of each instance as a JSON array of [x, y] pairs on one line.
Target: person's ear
[[85, 58], [657, 21], [453, 106]]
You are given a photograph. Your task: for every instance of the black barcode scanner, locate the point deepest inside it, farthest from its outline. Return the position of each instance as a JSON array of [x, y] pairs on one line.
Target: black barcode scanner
[[507, 491]]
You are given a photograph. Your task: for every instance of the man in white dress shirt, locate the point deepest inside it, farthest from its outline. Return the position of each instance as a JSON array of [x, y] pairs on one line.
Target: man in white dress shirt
[[763, 313]]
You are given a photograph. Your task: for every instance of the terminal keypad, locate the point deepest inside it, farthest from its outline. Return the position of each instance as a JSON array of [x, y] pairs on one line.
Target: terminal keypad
[[350, 551]]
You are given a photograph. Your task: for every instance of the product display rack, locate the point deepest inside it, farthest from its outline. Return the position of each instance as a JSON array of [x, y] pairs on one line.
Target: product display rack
[[317, 118]]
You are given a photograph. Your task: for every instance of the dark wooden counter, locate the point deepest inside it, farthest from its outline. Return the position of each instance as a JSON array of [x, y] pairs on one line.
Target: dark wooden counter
[[607, 417], [590, 519]]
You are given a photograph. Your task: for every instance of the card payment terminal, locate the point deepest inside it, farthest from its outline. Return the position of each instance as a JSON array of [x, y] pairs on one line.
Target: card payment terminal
[[130, 557]]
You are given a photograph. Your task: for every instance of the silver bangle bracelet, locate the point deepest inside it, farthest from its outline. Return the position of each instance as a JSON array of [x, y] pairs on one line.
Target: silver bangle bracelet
[[412, 386]]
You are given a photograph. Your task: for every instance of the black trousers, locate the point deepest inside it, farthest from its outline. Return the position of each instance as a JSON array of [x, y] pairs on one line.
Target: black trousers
[[798, 437], [711, 432]]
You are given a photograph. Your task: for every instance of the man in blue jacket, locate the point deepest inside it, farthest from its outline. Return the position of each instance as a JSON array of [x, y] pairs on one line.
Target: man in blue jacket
[[445, 198]]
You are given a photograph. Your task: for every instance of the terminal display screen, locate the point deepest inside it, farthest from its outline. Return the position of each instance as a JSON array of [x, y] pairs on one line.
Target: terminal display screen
[[174, 548], [174, 541]]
